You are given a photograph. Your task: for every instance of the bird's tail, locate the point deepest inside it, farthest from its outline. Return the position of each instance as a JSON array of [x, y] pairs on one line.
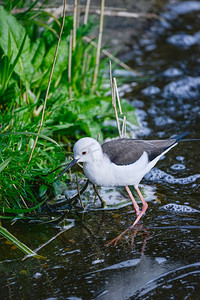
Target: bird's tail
[[189, 140], [180, 136]]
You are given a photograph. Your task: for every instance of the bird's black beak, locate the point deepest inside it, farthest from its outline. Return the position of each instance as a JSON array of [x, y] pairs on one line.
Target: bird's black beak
[[73, 162]]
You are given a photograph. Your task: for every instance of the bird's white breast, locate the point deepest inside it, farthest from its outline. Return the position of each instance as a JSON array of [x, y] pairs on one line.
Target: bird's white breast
[[103, 172]]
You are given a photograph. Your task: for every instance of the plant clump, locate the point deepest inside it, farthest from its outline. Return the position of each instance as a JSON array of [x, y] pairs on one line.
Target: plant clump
[[74, 108]]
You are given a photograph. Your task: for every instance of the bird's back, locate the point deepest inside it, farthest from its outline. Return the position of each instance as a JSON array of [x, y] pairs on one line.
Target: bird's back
[[127, 151]]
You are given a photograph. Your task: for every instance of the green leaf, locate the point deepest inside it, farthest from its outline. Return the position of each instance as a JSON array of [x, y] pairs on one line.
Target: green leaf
[[37, 53], [61, 60], [7, 66], [10, 26], [20, 210], [129, 112], [42, 190], [91, 128], [62, 126], [4, 164]]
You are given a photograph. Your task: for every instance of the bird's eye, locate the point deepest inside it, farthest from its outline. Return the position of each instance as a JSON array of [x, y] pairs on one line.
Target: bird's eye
[[84, 152]]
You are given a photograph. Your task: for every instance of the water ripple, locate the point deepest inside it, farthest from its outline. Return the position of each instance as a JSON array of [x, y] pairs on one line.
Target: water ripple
[[167, 280], [157, 175]]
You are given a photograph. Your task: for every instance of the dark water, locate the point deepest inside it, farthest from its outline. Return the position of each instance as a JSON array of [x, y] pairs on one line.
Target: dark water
[[159, 260]]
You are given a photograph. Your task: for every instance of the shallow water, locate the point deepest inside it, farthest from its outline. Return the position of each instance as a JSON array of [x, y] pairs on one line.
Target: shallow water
[[160, 258]]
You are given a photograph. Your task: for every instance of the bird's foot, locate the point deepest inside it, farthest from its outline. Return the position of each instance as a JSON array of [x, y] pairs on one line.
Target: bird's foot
[[133, 233], [115, 240]]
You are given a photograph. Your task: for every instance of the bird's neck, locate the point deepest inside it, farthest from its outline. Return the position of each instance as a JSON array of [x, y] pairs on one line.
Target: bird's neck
[[96, 169], [96, 156]]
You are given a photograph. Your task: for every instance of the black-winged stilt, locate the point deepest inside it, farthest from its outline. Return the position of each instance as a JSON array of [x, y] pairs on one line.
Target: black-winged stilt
[[121, 162]]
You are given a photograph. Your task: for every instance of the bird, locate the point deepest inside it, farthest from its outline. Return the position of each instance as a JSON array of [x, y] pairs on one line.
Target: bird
[[121, 162]]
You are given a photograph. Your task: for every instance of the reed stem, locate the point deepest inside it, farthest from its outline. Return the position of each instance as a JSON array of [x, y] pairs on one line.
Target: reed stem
[[87, 7], [74, 25], [98, 45], [49, 83], [70, 64]]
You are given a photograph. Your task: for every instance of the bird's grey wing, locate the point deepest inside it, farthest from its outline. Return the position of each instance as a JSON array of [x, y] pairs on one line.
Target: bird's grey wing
[[122, 151], [158, 147], [128, 151]]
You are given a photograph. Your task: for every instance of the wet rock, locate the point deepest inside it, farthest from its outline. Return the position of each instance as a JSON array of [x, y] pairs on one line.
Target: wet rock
[[172, 72], [160, 260], [184, 40], [178, 167], [186, 88], [157, 175], [37, 275], [177, 208], [163, 120], [124, 89], [151, 91], [137, 103], [183, 8], [124, 73], [180, 158], [120, 32]]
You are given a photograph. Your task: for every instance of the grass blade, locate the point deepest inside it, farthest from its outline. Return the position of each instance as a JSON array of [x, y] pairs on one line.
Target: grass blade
[[5, 233], [20, 210], [4, 164], [30, 133]]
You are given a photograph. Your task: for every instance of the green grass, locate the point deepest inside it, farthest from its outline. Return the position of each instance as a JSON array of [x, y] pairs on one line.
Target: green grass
[[27, 49]]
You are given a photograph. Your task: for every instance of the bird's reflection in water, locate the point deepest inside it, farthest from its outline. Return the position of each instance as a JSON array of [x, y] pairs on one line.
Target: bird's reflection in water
[[130, 234], [124, 279]]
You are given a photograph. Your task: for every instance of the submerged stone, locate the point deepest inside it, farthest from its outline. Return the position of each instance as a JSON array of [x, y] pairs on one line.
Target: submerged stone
[[177, 208], [151, 91], [186, 88], [183, 40]]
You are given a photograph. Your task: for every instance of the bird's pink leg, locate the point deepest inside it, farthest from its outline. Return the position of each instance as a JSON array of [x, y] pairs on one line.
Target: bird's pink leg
[[144, 206], [137, 209]]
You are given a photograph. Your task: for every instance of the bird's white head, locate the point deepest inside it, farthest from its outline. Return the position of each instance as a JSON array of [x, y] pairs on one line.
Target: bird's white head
[[87, 150]]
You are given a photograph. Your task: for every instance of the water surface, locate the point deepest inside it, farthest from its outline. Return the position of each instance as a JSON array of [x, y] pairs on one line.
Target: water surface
[[160, 258]]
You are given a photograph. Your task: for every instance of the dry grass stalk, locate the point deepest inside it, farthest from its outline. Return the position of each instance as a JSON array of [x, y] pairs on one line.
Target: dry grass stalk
[[103, 202], [70, 65], [49, 82], [78, 14], [117, 94], [113, 94], [74, 25], [115, 109], [86, 63], [98, 45], [98, 137], [124, 127], [87, 7], [57, 11], [84, 68], [21, 197], [108, 11], [78, 190], [126, 14], [49, 241], [108, 54], [110, 72]]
